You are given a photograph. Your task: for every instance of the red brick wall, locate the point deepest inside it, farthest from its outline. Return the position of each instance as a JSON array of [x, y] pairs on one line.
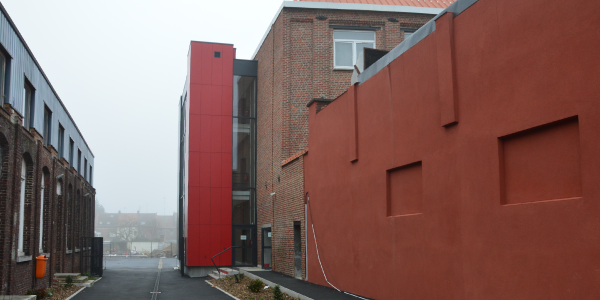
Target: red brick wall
[[295, 66], [17, 143]]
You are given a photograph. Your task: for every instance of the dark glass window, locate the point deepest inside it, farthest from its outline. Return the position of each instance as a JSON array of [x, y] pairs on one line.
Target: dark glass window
[[244, 96], [85, 168], [28, 107], [78, 161], [243, 207], [244, 152], [243, 237], [47, 125], [3, 75], [61, 141], [71, 150], [244, 145], [91, 176]]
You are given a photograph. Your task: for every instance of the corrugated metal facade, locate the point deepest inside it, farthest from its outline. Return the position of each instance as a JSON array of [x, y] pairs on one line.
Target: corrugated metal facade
[[23, 65]]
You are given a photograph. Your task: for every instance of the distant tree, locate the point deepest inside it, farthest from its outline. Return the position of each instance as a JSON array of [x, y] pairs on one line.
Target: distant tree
[[99, 208], [128, 228]]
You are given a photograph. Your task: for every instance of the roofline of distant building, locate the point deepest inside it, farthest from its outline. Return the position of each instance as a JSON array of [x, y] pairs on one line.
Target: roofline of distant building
[[14, 27], [346, 6]]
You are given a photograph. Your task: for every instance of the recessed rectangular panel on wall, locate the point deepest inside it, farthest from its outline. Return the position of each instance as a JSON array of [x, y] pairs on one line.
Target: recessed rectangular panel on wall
[[541, 163], [405, 190]]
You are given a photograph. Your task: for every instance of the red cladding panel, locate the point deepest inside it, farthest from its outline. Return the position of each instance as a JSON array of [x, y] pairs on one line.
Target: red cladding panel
[[216, 99], [226, 129], [195, 63], [194, 169], [215, 134], [205, 173], [206, 98], [209, 208], [227, 170], [194, 202], [195, 98], [204, 253], [227, 56], [215, 243], [193, 245], [204, 206], [226, 206], [205, 124], [217, 66], [215, 169], [194, 132], [215, 206], [227, 102], [207, 57]]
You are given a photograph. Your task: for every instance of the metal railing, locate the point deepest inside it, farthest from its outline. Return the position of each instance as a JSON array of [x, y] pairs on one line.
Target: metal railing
[[219, 270]]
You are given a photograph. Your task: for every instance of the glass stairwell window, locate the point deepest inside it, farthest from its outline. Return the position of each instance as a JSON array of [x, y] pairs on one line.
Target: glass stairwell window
[[348, 45]]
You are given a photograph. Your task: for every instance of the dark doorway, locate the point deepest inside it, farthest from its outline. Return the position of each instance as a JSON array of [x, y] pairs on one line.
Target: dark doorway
[[266, 248], [297, 250], [244, 238]]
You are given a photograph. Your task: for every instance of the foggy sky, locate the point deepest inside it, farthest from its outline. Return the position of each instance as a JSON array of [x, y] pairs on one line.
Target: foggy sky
[[119, 67]]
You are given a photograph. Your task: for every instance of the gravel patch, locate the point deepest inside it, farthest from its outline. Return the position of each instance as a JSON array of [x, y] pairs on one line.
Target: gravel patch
[[241, 291]]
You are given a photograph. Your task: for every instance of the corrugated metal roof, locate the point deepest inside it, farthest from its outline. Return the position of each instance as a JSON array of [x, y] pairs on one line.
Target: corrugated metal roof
[[417, 3]]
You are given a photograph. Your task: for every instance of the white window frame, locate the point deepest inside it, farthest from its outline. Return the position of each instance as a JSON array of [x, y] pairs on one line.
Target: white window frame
[[22, 208], [42, 214], [354, 42]]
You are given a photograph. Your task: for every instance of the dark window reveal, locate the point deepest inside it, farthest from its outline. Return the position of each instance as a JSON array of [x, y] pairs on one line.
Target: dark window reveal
[[71, 149], [61, 141], [47, 125], [28, 105], [217, 54]]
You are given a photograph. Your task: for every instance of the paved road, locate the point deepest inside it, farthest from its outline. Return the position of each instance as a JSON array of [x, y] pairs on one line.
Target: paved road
[[135, 278]]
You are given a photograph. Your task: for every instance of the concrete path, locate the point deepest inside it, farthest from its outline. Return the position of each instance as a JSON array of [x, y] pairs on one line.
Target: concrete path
[[135, 278]]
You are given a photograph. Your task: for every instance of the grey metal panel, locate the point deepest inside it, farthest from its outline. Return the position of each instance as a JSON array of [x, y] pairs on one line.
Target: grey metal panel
[[23, 65], [456, 8], [242, 67]]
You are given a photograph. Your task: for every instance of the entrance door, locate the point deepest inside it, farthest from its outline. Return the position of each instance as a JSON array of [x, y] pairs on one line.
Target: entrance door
[[266, 248], [244, 240], [297, 250]]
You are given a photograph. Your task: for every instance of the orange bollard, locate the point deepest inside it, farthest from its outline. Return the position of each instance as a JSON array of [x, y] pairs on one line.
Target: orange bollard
[[40, 266]]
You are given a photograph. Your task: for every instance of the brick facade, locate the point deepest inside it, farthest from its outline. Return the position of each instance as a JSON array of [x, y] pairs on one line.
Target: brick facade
[[74, 206], [296, 66]]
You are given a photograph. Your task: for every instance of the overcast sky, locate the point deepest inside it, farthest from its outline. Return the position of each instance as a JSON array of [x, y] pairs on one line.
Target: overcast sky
[[119, 66]]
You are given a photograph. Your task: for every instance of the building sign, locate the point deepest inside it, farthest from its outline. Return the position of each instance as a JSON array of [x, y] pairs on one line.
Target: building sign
[[243, 237]]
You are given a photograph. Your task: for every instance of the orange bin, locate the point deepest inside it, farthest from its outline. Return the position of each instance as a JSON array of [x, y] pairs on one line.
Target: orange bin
[[40, 266]]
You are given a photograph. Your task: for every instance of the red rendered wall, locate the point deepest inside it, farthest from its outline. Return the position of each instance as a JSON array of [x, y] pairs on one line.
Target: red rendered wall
[[503, 139], [210, 136]]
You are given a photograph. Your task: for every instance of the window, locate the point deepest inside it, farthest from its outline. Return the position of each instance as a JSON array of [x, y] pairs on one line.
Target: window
[[408, 32], [91, 175], [4, 68], [71, 147], [78, 161], [28, 105], [61, 141], [348, 45], [85, 169], [47, 125]]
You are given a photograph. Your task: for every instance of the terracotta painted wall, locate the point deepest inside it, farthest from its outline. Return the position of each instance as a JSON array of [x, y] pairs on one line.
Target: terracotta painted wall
[[208, 217], [468, 168]]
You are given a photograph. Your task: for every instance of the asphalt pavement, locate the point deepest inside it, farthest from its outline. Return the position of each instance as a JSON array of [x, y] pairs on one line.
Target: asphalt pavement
[[135, 278]]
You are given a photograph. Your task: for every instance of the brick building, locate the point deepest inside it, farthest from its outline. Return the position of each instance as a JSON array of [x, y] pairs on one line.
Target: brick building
[[46, 171], [308, 54], [129, 227], [243, 185]]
